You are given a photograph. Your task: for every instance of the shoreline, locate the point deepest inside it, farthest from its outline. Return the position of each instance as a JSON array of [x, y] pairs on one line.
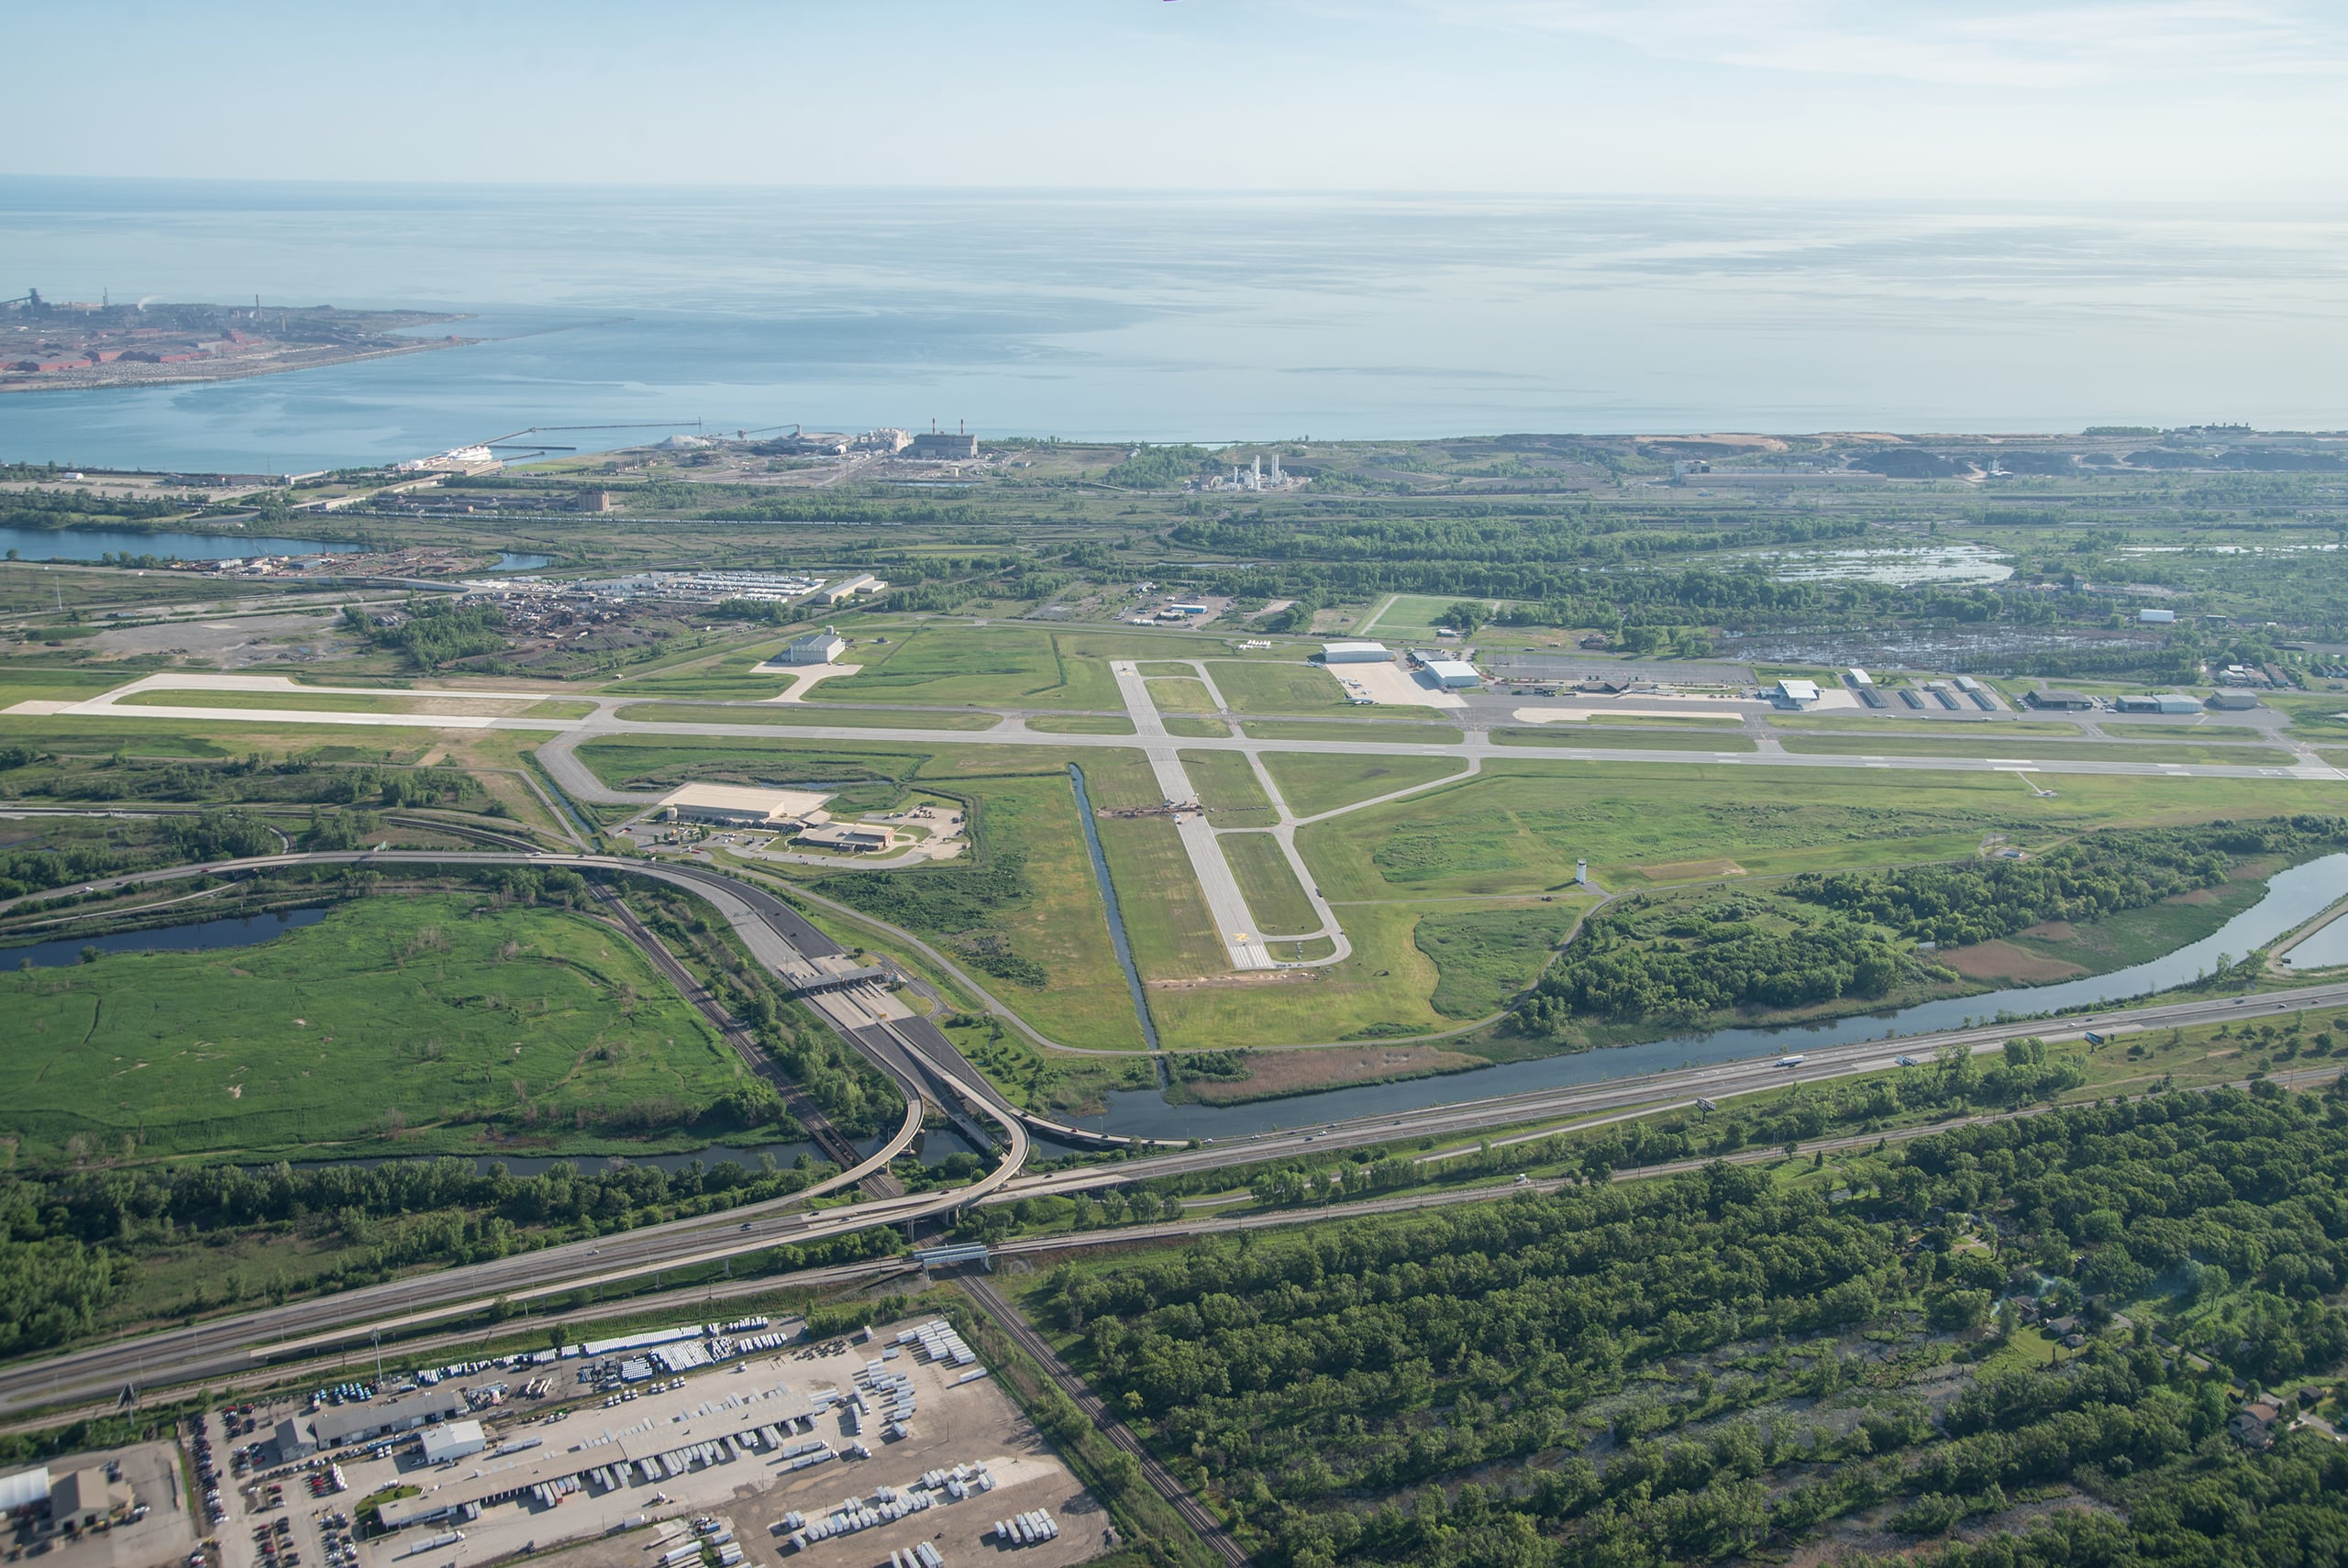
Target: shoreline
[[196, 372]]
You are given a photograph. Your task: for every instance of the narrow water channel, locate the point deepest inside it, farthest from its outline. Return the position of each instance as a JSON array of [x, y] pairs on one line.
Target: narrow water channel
[[2293, 897], [1116, 917]]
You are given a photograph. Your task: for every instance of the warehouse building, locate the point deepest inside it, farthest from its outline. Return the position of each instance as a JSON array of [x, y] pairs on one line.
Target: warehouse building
[[2166, 702], [2060, 701], [2233, 701], [735, 805], [297, 1437], [847, 839], [848, 588], [453, 1439], [1451, 673], [1355, 653], [84, 1499], [815, 648], [361, 1420]]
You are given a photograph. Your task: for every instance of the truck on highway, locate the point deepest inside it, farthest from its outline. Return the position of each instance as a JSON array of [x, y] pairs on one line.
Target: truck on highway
[[1789, 1061]]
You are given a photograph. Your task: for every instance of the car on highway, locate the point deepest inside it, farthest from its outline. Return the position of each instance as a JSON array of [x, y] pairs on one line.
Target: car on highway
[[1905, 1062]]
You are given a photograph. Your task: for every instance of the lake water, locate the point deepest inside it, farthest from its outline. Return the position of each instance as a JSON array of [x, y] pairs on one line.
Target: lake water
[[1164, 317], [95, 544], [198, 936], [2293, 897]]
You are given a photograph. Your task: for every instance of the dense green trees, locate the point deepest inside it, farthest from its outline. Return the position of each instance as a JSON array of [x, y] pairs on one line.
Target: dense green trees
[[170, 840], [72, 1239], [1824, 936], [2086, 879], [436, 632], [1685, 1370]]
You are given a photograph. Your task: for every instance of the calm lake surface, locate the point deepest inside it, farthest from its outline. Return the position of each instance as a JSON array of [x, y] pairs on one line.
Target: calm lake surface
[[2293, 897], [95, 544], [1169, 317], [198, 936]]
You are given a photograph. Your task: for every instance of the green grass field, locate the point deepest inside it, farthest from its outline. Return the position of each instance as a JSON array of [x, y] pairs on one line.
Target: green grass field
[[1016, 667], [1381, 989], [418, 703], [1228, 789], [1268, 884], [1520, 825], [1486, 956], [436, 1014], [1081, 724], [1413, 617], [1193, 728], [1827, 724], [1313, 783], [1584, 736], [2006, 743], [1166, 916], [1259, 688], [2199, 729], [1178, 695], [786, 715], [1396, 731], [1059, 923]]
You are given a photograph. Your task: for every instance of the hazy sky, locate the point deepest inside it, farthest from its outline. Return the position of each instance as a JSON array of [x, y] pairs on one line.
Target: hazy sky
[[2197, 99]]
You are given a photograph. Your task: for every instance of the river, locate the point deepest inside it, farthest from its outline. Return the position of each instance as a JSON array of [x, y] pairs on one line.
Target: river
[[2293, 897]]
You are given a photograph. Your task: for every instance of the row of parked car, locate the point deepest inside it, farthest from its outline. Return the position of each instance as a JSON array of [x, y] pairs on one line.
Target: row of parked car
[[207, 1476]]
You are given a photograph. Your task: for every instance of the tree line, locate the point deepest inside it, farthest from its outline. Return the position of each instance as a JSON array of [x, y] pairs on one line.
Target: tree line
[[1685, 1370]]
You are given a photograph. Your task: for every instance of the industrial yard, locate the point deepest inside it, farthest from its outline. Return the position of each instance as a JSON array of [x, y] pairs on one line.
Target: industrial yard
[[836, 1453]]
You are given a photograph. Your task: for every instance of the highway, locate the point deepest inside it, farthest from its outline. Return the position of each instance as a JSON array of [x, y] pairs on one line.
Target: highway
[[235, 1344]]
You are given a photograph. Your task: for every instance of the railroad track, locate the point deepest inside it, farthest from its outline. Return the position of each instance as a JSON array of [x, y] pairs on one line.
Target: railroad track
[[1195, 1514]]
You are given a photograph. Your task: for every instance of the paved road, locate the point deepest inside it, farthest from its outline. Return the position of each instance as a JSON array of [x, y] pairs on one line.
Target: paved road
[[231, 1344], [556, 753]]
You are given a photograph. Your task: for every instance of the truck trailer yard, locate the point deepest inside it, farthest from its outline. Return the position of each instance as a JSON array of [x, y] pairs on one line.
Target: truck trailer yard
[[779, 1437]]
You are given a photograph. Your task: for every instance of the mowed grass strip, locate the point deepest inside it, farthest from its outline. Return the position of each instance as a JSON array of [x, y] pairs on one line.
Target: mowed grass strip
[[1081, 724], [1586, 737], [2218, 729], [1313, 783], [1268, 883], [1016, 667], [1880, 723], [401, 1024], [1171, 694], [2005, 743], [1395, 732], [1228, 789], [784, 715], [1266, 688]]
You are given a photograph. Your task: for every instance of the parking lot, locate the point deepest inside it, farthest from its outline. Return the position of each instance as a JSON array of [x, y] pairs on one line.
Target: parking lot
[[586, 1472]]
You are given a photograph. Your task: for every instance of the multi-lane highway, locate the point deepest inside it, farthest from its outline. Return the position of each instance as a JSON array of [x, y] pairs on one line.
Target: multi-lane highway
[[235, 1344]]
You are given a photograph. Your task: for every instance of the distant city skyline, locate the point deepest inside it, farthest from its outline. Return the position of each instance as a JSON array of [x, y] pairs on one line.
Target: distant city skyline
[[2190, 100]]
